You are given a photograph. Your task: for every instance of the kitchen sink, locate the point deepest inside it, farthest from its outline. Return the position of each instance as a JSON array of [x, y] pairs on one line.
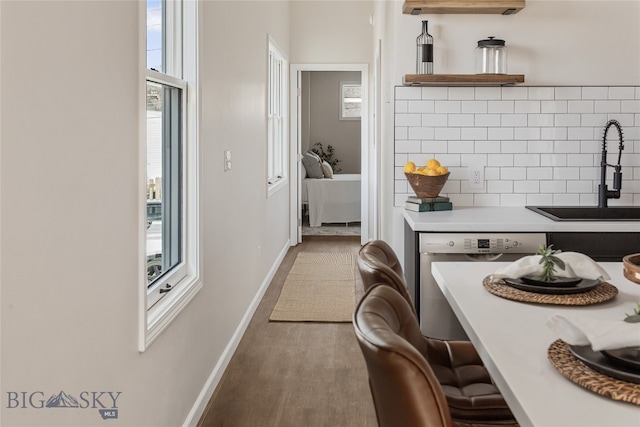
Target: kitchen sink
[[588, 213]]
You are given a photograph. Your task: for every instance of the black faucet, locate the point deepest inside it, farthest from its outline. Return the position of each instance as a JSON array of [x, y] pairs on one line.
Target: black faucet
[[603, 193]]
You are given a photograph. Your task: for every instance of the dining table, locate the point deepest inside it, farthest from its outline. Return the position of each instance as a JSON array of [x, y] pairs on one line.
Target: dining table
[[513, 340]]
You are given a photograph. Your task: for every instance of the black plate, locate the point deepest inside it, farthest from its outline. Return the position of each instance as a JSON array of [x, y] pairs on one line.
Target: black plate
[[599, 362], [627, 357], [583, 286], [560, 282]]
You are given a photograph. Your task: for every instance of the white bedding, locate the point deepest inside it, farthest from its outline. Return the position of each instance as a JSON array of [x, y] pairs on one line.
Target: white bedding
[[333, 200]]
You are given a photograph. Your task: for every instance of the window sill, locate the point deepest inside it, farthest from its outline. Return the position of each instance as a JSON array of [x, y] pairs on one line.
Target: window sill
[[276, 186], [159, 317]]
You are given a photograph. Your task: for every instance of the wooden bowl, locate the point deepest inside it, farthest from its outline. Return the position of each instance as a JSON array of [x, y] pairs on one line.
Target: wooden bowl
[[426, 186], [631, 267]]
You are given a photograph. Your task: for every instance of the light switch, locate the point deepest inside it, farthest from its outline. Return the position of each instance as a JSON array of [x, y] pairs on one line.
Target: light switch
[[227, 160]]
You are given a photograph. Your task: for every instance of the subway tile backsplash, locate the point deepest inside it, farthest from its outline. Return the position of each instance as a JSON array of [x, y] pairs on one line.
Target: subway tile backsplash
[[538, 145]]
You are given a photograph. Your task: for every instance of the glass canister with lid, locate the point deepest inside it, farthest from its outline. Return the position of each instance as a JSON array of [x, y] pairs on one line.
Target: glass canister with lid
[[491, 56]]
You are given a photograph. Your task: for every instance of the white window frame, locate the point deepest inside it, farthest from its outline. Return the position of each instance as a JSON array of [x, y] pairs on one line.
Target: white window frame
[[177, 271], [277, 117], [185, 279], [342, 98]]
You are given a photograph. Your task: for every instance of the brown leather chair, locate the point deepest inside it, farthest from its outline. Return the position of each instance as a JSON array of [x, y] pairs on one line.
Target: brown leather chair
[[378, 263], [418, 381], [405, 390]]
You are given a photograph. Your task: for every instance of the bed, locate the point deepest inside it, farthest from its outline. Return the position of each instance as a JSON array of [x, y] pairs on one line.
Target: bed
[[332, 200]]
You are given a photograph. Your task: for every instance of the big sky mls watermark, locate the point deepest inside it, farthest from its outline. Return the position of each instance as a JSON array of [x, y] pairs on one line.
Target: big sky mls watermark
[[106, 402]]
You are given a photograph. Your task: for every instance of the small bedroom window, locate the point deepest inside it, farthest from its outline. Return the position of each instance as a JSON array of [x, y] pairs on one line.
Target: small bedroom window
[[277, 110], [350, 101]]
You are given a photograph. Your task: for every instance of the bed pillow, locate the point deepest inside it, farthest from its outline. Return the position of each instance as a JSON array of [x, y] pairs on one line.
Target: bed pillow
[[312, 154], [326, 170], [312, 164]]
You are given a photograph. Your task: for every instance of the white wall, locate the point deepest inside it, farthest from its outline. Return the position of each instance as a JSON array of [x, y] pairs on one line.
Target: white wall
[[384, 18], [553, 43], [329, 31], [69, 219]]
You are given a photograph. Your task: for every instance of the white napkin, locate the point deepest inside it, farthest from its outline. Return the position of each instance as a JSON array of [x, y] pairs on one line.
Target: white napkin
[[576, 265], [601, 334]]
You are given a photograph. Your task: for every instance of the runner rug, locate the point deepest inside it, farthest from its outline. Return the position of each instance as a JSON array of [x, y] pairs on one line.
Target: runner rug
[[319, 288]]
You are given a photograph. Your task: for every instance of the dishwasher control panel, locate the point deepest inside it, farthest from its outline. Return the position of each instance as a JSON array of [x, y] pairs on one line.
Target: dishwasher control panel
[[481, 243]]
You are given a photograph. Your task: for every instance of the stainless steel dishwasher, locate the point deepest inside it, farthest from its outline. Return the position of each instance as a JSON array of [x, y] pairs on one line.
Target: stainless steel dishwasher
[[436, 317]]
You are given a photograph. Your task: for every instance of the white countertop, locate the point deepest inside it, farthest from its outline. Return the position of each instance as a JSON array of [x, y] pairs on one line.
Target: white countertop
[[512, 339], [505, 219]]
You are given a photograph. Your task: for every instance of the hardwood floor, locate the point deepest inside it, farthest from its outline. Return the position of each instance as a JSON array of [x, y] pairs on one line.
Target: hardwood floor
[[292, 373]]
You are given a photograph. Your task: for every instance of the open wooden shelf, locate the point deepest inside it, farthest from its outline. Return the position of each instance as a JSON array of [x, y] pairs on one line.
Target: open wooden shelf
[[462, 79], [501, 7]]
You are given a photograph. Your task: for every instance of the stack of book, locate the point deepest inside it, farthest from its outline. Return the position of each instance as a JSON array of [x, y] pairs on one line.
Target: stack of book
[[428, 204]]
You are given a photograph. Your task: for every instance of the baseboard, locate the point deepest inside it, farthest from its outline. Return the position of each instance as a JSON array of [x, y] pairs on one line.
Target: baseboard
[[214, 378]]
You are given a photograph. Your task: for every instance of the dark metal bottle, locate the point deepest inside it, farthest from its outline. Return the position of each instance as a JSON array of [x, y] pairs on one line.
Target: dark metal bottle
[[424, 51]]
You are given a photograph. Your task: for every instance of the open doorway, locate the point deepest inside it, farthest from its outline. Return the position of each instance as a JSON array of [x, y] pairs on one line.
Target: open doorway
[[330, 127], [329, 116]]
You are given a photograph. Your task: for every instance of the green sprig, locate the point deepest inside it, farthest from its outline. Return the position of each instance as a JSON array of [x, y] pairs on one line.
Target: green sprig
[[635, 317], [549, 262]]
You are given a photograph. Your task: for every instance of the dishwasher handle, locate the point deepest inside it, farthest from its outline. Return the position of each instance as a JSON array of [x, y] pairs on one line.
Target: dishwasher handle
[[463, 256], [484, 257]]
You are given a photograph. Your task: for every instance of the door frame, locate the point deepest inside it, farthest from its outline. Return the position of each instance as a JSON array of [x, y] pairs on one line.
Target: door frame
[[295, 145]]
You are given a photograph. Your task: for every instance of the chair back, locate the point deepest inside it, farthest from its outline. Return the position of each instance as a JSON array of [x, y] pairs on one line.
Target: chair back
[[404, 388], [378, 263]]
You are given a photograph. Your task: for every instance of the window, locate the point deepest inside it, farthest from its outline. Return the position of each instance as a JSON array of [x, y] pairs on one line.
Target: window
[[277, 110], [171, 256], [350, 101], [165, 172]]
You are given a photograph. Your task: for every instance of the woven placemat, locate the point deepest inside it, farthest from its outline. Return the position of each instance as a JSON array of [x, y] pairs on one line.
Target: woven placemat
[[579, 373], [601, 293]]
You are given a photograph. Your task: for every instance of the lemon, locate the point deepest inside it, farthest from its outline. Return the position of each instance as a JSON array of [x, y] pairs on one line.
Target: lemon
[[432, 172], [409, 167], [442, 170], [433, 164]]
